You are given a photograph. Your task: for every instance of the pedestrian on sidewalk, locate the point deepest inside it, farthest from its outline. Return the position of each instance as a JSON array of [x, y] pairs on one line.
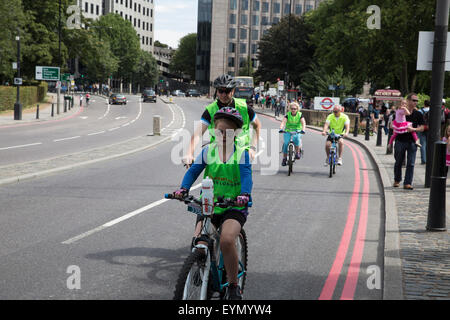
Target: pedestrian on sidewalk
[[423, 136], [446, 138], [405, 144], [81, 100]]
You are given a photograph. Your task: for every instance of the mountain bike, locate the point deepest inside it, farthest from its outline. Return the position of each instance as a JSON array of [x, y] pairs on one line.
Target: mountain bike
[[203, 272], [291, 148], [332, 159]]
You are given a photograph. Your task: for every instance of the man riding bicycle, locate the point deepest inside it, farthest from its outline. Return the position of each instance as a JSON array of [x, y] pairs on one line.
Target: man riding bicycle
[[88, 96], [293, 121], [225, 86], [340, 122], [227, 163]]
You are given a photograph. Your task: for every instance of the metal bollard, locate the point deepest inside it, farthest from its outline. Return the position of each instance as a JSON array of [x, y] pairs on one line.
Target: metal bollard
[[379, 135], [436, 207], [53, 109], [156, 125], [37, 112], [367, 128], [355, 130], [65, 105]]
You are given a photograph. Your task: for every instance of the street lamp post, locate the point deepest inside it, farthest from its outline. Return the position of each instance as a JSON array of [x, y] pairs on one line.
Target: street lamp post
[[18, 105]]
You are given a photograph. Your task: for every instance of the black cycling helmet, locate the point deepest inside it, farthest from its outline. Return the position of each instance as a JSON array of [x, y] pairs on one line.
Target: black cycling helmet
[[225, 81], [230, 114]]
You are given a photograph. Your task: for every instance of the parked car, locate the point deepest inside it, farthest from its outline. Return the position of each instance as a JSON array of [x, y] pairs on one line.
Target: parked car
[[193, 93], [149, 95], [117, 98], [178, 93]]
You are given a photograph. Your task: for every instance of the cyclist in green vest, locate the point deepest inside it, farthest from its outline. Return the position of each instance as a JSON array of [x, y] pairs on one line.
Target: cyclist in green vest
[[225, 86], [293, 121], [228, 165], [340, 122]]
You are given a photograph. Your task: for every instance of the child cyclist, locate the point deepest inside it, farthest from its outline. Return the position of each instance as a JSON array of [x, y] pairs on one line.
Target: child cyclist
[[228, 165], [400, 125], [291, 122]]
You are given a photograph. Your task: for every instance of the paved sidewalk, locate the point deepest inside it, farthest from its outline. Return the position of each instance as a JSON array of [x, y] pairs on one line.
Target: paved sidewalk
[[417, 262]]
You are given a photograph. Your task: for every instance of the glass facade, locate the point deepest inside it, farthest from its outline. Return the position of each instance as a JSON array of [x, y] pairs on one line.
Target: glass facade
[[202, 68]]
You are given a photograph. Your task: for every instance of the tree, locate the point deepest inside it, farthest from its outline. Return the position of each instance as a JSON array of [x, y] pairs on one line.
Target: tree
[[273, 52], [385, 56], [147, 71], [247, 69], [12, 17], [183, 60], [160, 45], [123, 41]]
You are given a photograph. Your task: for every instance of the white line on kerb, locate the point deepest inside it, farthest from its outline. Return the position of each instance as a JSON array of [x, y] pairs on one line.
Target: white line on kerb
[[21, 146], [120, 219], [63, 139]]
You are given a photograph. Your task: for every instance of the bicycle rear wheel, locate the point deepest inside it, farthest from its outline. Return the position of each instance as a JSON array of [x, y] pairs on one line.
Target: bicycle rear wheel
[[331, 162], [194, 280]]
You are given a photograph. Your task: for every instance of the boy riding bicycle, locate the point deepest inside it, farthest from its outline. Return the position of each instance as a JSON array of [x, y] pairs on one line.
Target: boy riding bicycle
[[228, 165]]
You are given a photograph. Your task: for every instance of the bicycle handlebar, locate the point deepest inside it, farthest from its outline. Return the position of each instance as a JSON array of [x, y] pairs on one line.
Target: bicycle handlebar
[[222, 203], [292, 132]]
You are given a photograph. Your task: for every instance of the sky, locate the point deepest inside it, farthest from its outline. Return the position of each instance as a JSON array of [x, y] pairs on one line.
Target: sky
[[174, 19]]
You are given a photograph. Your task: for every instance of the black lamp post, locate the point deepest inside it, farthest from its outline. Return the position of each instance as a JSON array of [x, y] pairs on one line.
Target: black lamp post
[[18, 105]]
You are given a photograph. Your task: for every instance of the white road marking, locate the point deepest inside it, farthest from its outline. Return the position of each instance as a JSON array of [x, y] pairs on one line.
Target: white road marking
[[106, 113], [94, 133], [120, 219], [21, 146], [69, 138], [112, 129]]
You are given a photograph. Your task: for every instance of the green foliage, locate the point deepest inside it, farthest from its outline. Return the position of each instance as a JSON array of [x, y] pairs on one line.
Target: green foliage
[[159, 44], [276, 58], [183, 60], [147, 70]]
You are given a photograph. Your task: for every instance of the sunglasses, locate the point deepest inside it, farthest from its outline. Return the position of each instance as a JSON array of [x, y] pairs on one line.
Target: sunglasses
[[415, 100], [227, 91]]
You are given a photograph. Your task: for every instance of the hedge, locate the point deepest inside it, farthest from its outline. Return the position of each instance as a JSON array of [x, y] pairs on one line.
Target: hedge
[[29, 95]]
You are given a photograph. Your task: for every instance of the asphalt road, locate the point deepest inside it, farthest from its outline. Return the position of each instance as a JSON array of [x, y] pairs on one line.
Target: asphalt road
[[90, 127], [310, 236]]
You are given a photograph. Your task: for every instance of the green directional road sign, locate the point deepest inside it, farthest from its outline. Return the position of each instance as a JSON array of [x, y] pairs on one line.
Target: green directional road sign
[[47, 73], [65, 77]]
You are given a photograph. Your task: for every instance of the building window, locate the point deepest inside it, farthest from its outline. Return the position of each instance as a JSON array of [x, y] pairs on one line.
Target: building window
[[265, 7], [244, 19], [298, 9], [231, 47], [276, 7], [287, 8], [242, 62], [232, 18], [264, 20], [309, 7], [97, 10], [233, 4], [244, 4], [255, 34], [255, 20], [231, 61], [92, 8], [242, 48], [86, 7], [232, 33], [254, 48], [276, 20], [243, 34], [256, 6]]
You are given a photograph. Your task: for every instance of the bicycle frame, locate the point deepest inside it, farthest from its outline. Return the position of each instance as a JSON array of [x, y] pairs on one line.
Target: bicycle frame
[[332, 159]]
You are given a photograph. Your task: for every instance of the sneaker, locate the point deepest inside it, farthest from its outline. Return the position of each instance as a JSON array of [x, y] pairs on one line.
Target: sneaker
[[339, 162], [297, 155], [326, 162], [283, 163], [233, 292], [418, 144]]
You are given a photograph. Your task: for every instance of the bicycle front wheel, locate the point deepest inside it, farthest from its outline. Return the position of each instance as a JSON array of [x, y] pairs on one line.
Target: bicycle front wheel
[[194, 278], [290, 158]]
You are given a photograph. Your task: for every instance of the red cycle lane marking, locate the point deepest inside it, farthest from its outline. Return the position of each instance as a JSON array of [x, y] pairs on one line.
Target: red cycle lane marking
[[353, 271], [333, 276]]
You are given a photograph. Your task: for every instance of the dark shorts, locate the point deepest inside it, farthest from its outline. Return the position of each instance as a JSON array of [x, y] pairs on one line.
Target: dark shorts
[[218, 219], [329, 139]]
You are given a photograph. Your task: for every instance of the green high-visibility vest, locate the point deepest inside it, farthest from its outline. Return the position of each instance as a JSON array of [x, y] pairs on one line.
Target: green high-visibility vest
[[243, 139], [226, 176], [293, 122], [337, 124]]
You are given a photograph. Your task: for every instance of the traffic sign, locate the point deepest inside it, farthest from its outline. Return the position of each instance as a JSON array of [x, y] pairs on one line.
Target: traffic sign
[[47, 73], [18, 81], [325, 103], [65, 77]]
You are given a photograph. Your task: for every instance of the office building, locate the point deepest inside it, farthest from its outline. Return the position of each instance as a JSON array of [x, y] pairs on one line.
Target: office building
[[228, 32]]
